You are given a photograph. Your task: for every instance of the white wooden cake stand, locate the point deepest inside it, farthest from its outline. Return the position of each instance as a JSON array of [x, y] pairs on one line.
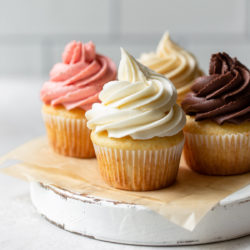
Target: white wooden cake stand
[[134, 224]]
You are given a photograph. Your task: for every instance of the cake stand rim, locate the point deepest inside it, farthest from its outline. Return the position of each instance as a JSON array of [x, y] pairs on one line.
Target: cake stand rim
[[95, 200]]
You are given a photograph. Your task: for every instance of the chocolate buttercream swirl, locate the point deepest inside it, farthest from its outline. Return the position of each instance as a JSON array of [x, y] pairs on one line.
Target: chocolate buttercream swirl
[[224, 95]]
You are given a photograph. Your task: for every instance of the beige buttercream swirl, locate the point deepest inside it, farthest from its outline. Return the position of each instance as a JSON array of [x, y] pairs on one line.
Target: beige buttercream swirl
[[175, 63]]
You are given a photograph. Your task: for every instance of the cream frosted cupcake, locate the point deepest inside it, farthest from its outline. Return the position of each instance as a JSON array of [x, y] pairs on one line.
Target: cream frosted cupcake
[[218, 129], [178, 65], [137, 129], [73, 87]]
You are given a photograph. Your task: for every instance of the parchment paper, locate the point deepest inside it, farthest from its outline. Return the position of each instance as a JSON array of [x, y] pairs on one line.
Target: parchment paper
[[184, 203]]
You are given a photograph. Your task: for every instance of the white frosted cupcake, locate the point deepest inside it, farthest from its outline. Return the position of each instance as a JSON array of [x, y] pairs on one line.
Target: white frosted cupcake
[[172, 61], [137, 129]]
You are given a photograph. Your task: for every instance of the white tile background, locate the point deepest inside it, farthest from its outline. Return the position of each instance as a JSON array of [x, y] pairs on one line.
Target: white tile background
[[33, 33]]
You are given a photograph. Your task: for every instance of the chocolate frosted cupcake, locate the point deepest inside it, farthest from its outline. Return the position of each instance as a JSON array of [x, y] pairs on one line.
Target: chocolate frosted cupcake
[[218, 129]]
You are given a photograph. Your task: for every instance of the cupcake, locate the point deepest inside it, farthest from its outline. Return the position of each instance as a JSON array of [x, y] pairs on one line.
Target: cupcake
[[74, 86], [137, 129], [218, 130], [178, 65]]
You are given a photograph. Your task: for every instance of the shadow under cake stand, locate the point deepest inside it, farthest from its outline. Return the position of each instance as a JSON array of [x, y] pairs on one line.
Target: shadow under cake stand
[[135, 224]]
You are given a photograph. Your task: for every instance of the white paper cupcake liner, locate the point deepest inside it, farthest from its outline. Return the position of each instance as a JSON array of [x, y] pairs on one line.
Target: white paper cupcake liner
[[139, 170], [70, 137], [218, 154]]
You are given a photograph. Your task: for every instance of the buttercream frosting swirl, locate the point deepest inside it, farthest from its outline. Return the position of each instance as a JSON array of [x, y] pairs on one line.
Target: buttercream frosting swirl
[[140, 104], [77, 81], [224, 95], [175, 63]]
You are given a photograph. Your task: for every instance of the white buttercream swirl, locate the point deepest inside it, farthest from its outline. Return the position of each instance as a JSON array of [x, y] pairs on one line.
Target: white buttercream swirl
[[141, 104]]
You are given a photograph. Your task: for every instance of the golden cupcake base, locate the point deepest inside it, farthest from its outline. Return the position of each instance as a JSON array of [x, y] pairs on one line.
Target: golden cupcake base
[[67, 132], [217, 149], [138, 165]]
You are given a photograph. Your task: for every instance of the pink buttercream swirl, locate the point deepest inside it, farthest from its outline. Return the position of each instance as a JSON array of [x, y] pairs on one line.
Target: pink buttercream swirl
[[78, 80]]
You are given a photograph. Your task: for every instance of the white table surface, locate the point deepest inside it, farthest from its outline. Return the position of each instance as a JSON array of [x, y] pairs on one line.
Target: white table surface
[[20, 226]]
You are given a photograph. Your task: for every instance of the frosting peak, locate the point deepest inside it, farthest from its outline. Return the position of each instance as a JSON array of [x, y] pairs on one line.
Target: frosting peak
[[131, 70], [224, 95], [141, 104], [78, 79], [175, 63], [74, 52]]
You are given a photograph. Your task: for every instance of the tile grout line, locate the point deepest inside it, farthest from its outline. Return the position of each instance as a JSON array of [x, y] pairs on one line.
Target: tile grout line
[[115, 20], [247, 19], [47, 57], [116, 37]]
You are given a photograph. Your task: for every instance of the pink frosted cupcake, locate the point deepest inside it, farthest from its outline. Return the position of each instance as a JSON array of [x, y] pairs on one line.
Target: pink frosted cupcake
[[73, 88]]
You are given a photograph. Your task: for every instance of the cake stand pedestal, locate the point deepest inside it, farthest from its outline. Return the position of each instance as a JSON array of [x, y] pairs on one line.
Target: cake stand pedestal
[[114, 221]]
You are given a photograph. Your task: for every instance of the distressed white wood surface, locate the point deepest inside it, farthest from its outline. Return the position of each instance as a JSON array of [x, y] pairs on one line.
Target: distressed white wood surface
[[134, 224], [22, 227]]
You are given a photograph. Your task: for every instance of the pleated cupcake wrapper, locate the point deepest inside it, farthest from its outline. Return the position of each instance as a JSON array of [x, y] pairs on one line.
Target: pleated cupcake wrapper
[[218, 154], [138, 170], [70, 137]]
